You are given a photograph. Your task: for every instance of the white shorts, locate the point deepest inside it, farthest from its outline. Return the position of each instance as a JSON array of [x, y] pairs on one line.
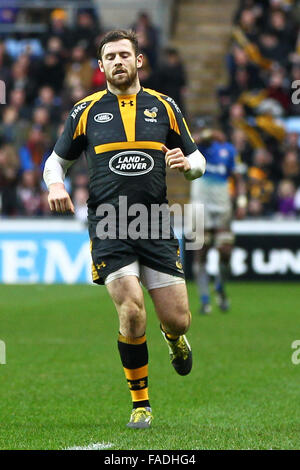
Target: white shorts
[[150, 278], [216, 201]]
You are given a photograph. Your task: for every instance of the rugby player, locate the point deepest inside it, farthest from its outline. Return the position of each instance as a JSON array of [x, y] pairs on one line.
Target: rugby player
[[129, 134], [213, 191]]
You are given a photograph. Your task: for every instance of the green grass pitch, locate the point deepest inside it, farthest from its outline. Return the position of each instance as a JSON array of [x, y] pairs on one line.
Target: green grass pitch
[[63, 384]]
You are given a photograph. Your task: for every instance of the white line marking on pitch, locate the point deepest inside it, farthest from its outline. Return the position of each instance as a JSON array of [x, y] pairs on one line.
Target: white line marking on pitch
[[97, 446]]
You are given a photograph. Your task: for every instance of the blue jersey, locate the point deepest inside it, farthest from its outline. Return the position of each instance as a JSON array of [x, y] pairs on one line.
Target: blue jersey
[[220, 161]]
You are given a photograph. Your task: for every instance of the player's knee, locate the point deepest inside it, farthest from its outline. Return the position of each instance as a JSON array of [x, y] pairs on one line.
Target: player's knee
[[202, 254], [225, 252], [132, 316], [182, 322], [224, 244]]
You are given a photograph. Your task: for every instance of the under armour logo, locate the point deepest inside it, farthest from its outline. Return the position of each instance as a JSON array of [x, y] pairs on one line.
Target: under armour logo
[[101, 265], [123, 103], [137, 384]]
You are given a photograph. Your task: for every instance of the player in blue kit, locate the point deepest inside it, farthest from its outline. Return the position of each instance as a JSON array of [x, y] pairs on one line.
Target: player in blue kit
[[213, 191]]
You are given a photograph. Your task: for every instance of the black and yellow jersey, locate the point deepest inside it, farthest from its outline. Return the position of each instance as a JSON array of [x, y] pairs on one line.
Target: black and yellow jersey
[[122, 138]]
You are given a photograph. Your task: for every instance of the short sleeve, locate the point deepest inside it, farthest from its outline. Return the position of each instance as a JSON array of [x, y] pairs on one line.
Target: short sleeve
[[179, 134], [73, 141]]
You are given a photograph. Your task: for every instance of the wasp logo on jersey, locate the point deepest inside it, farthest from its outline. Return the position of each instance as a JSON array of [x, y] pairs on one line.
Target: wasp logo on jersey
[[131, 163], [151, 114]]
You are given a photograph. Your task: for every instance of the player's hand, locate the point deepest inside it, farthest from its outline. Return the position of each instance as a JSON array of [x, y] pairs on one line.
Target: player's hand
[[59, 200], [176, 159]]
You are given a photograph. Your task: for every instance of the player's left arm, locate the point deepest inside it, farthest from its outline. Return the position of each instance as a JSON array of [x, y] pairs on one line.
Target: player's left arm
[[181, 152], [192, 165]]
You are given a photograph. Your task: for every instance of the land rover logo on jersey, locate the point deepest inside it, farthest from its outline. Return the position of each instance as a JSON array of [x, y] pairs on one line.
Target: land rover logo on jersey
[[131, 163], [103, 117]]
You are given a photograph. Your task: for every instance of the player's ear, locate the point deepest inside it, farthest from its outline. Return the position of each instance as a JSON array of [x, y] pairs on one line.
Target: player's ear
[[139, 61], [100, 66]]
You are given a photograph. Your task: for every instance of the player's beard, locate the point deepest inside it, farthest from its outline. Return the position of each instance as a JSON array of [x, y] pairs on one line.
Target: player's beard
[[124, 82]]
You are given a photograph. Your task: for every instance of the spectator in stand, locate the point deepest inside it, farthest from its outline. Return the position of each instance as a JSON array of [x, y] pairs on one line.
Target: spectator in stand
[[278, 89], [239, 84], [291, 142], [29, 194], [86, 30], [72, 95], [286, 193], [283, 28], [243, 148], [21, 77], [147, 37], [147, 78], [171, 78], [290, 167], [271, 47], [58, 28], [35, 151], [41, 120], [240, 81], [247, 23], [260, 184], [51, 71], [17, 99], [48, 100], [13, 129], [9, 167], [55, 46], [80, 70], [37, 147]]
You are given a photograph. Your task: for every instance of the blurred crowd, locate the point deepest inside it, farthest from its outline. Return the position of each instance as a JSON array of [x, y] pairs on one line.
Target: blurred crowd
[[259, 106], [45, 75]]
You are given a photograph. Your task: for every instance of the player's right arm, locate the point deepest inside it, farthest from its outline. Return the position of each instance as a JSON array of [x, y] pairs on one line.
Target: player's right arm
[[54, 175], [67, 149]]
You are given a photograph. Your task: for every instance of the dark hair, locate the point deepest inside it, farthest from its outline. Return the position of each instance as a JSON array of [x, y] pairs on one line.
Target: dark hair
[[117, 35]]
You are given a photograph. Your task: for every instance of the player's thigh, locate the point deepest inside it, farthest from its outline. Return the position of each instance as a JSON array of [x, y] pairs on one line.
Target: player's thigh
[[126, 290], [171, 305], [128, 298]]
